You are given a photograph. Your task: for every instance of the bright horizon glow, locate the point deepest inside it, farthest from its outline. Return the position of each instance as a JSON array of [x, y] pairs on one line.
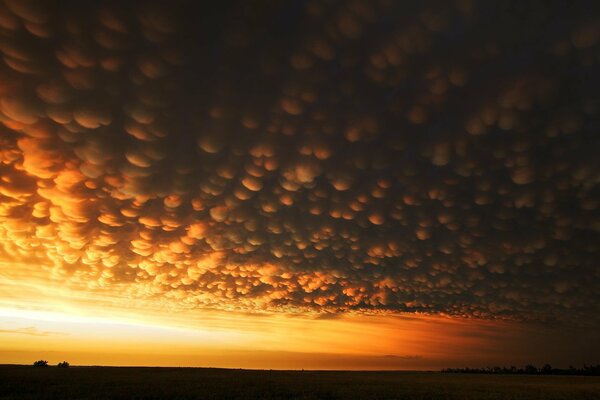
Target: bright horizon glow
[[85, 334]]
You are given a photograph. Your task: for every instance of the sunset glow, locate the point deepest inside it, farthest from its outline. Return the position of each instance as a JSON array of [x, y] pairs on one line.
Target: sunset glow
[[319, 185]]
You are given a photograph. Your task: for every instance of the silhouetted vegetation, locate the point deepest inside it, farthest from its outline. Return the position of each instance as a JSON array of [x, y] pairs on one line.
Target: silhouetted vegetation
[[40, 363], [529, 369], [63, 364]]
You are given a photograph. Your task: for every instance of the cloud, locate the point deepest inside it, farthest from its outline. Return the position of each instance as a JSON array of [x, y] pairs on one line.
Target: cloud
[[30, 330], [377, 164], [405, 357]]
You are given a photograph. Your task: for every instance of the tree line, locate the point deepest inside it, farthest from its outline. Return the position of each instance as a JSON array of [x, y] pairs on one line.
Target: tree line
[[44, 363], [529, 369]]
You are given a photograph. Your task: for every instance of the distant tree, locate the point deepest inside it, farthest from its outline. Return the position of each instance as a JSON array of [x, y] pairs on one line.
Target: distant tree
[[63, 364], [546, 369], [40, 363], [590, 370], [531, 369]]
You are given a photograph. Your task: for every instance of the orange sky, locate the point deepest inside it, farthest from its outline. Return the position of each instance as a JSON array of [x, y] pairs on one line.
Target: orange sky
[[356, 185], [54, 322]]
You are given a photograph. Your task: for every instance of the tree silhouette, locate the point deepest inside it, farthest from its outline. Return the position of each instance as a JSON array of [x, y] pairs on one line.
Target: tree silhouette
[[546, 369], [587, 370], [531, 369], [40, 363], [63, 364]]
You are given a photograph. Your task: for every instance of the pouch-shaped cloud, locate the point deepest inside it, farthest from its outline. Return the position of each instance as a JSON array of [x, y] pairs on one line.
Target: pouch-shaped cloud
[[363, 161]]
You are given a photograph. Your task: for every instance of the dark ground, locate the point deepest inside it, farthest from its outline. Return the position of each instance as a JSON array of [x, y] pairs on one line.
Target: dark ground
[[24, 382]]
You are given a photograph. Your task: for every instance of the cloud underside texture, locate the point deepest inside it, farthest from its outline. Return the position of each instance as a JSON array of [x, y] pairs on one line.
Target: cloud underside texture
[[370, 156]]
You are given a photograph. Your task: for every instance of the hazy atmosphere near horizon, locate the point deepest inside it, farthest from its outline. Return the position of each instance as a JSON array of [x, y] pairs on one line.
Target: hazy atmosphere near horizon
[[300, 184]]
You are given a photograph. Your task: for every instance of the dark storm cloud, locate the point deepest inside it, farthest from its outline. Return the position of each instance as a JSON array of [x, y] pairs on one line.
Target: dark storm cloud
[[414, 157]]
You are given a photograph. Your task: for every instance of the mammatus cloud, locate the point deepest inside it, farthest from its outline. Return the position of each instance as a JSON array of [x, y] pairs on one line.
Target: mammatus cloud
[[438, 158]]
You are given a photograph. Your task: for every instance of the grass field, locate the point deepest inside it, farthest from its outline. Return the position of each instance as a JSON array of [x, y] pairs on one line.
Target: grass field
[[24, 382]]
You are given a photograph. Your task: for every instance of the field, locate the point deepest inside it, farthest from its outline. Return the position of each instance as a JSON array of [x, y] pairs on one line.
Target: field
[[24, 382]]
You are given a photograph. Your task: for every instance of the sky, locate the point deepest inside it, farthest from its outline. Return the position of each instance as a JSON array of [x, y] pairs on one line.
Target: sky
[[302, 184]]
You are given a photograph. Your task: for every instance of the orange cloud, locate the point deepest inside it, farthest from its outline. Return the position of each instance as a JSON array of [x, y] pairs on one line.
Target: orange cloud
[[358, 170]]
